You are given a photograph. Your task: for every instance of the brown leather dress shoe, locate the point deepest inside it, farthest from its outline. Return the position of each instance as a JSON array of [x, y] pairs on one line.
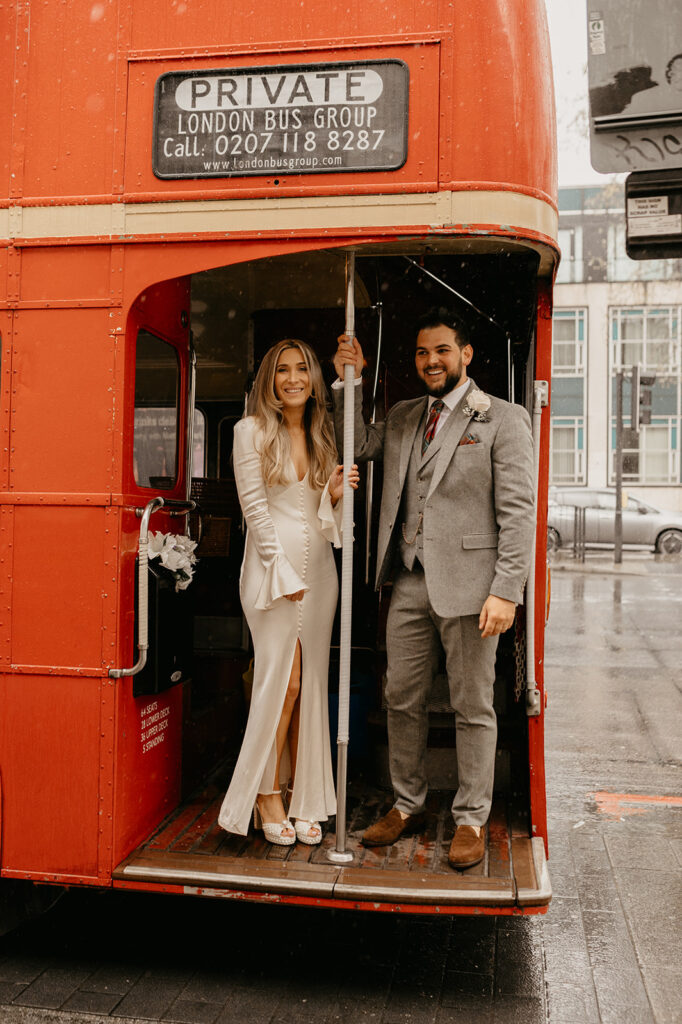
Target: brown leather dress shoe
[[391, 827], [466, 848]]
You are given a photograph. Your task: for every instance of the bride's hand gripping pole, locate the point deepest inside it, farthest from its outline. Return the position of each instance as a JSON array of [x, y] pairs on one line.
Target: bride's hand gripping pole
[[340, 855]]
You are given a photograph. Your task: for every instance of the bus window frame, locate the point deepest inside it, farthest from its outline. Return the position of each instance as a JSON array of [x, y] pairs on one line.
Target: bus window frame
[[182, 349]]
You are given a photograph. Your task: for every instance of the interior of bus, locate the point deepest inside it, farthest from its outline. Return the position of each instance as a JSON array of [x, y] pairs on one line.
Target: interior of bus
[[237, 313]]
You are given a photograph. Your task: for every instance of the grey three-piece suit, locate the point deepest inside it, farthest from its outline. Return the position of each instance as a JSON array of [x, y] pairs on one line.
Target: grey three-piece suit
[[473, 488]]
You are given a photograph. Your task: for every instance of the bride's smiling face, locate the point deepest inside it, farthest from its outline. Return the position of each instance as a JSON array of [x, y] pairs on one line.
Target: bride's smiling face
[[292, 380]]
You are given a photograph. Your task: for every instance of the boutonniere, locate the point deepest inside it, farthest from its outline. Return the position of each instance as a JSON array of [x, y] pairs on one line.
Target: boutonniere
[[477, 405]]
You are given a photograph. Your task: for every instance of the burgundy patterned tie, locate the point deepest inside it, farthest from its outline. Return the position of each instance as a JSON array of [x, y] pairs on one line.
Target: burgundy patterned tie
[[431, 423]]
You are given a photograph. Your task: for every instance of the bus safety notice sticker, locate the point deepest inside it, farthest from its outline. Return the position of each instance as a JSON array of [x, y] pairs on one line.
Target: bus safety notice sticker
[[307, 119]]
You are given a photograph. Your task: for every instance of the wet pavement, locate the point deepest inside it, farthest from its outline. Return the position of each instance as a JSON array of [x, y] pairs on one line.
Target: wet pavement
[[609, 949], [634, 562]]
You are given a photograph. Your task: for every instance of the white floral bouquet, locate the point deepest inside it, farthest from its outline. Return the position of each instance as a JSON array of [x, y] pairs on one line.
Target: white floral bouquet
[[175, 552]]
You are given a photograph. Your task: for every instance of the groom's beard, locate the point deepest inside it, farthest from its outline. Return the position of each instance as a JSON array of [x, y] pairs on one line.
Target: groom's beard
[[450, 382]]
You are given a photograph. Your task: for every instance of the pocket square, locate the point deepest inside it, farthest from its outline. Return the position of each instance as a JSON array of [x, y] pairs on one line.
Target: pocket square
[[470, 439]]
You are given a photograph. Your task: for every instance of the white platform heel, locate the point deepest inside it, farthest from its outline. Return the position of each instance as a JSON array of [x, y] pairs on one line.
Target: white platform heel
[[274, 832], [308, 832]]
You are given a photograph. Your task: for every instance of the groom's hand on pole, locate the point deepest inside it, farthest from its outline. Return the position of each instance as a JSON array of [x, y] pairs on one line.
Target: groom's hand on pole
[[496, 616], [348, 353]]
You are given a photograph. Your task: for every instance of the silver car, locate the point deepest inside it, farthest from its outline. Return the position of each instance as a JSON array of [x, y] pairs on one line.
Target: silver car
[[643, 525]]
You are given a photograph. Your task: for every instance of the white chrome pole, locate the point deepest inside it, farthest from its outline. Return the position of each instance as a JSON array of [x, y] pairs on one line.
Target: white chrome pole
[[340, 855], [533, 709]]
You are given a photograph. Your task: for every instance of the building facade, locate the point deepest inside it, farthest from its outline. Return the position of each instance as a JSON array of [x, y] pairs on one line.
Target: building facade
[[610, 313]]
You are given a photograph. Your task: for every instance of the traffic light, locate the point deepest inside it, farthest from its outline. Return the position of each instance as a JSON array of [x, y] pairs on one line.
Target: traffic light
[[641, 398]]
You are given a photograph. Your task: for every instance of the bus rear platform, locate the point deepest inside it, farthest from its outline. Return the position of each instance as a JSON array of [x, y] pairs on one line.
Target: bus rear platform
[[190, 854]]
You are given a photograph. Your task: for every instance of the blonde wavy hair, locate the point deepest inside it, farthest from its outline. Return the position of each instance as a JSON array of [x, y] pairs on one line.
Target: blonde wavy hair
[[274, 445]]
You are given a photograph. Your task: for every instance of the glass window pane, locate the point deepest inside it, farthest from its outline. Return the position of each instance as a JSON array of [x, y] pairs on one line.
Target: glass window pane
[[658, 354], [632, 328], [631, 353], [564, 329], [658, 326], [563, 356], [563, 457], [157, 386], [199, 442]]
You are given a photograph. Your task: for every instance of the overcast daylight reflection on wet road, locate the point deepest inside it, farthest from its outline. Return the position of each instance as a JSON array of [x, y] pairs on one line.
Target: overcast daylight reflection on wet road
[[608, 950]]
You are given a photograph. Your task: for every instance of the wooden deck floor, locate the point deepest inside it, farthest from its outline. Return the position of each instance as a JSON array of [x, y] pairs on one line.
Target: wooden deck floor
[[191, 849]]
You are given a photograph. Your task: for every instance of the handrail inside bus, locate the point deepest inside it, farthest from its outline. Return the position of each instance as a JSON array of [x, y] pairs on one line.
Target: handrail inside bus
[[533, 708], [142, 593]]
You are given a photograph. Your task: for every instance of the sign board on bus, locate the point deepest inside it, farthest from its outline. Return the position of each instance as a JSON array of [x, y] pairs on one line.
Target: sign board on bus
[[303, 119], [635, 79]]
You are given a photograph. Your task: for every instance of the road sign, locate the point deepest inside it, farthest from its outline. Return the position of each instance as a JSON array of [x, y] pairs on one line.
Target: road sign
[[635, 82], [653, 207]]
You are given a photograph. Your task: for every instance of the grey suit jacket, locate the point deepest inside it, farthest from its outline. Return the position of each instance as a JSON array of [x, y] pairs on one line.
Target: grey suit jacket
[[479, 515]]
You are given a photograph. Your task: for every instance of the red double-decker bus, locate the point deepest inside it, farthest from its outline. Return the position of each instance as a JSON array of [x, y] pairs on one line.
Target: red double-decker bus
[[181, 185]]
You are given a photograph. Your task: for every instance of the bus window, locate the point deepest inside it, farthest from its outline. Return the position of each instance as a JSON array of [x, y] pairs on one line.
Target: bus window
[[199, 443], [157, 388]]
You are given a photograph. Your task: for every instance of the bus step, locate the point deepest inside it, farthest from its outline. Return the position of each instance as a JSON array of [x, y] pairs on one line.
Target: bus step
[[190, 851]]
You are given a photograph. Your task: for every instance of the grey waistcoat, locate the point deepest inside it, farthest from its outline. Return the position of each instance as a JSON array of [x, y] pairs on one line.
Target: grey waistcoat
[[417, 483]]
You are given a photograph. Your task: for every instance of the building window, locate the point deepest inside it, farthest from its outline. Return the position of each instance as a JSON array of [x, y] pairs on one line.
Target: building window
[[567, 460], [571, 266], [569, 354], [648, 337], [651, 338], [568, 343]]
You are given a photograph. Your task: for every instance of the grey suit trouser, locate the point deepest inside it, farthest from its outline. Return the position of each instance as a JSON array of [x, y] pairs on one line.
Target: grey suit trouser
[[413, 632]]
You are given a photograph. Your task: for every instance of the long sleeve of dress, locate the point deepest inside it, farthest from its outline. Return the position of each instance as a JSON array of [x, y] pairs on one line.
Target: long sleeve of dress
[[331, 517], [280, 577]]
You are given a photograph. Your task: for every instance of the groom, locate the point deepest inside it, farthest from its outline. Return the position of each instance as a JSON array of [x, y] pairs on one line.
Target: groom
[[455, 533]]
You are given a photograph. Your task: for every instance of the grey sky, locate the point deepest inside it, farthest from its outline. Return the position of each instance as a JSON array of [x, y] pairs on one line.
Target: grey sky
[[568, 34]]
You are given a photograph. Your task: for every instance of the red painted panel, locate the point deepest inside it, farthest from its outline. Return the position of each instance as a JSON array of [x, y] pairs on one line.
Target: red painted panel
[[75, 272], [499, 111], [62, 401], [490, 100], [58, 586], [71, 69], [49, 752], [6, 331], [216, 25], [536, 735], [148, 729], [7, 87], [148, 764]]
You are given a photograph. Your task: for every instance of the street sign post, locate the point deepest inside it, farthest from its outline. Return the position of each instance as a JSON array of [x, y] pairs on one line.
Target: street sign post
[[635, 83], [653, 206]]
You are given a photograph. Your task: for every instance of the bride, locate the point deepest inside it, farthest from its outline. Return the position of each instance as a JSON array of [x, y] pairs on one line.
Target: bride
[[289, 489]]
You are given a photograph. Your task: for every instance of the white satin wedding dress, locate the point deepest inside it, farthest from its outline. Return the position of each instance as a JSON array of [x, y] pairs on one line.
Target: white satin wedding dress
[[288, 549]]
